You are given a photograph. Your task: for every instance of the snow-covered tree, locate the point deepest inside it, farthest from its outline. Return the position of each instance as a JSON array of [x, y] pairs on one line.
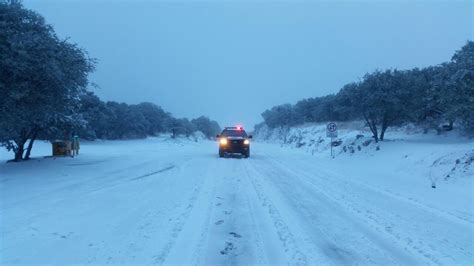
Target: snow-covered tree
[[281, 116], [435, 97], [463, 79], [381, 100], [41, 78], [180, 126], [205, 125], [155, 116]]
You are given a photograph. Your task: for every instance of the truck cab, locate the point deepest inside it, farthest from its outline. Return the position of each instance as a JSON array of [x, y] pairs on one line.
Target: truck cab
[[234, 140]]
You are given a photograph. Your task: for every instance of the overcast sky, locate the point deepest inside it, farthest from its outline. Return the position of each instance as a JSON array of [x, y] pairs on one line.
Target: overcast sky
[[232, 60]]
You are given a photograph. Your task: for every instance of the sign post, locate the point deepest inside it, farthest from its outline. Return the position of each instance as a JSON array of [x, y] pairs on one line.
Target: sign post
[[331, 132]]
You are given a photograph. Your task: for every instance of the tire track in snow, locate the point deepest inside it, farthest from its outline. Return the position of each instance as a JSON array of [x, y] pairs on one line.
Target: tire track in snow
[[240, 231], [229, 235], [377, 234], [154, 172], [386, 221], [285, 235], [326, 232], [144, 222], [305, 242], [325, 173], [197, 256], [256, 232], [181, 220], [199, 247], [92, 183]]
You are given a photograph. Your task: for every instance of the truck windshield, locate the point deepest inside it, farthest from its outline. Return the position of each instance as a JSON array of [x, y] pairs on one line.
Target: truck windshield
[[234, 133]]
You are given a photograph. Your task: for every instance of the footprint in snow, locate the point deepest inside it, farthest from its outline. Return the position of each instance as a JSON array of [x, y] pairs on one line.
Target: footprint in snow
[[219, 222], [219, 204], [234, 234], [62, 236], [228, 247]]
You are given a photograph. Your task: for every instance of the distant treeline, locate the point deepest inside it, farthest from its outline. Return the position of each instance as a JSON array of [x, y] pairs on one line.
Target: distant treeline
[[44, 95], [112, 120], [436, 97]]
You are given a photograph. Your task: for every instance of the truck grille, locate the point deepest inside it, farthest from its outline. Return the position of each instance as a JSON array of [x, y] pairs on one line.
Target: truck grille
[[236, 142]]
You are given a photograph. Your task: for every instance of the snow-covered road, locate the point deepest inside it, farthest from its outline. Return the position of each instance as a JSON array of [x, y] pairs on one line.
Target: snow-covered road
[[153, 203]]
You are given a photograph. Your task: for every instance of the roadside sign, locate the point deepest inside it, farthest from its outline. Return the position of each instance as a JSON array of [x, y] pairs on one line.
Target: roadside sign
[[331, 130]]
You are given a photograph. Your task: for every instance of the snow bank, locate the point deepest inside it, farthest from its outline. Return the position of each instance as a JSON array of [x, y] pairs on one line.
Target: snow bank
[[438, 157], [43, 148]]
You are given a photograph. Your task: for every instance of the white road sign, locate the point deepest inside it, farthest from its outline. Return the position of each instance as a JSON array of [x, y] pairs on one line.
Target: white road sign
[[331, 130]]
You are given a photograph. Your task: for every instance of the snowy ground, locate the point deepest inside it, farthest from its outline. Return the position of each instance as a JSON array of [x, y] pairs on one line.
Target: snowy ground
[[161, 202]]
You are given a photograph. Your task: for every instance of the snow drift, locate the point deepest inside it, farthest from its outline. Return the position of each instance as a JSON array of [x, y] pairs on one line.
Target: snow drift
[[439, 157]]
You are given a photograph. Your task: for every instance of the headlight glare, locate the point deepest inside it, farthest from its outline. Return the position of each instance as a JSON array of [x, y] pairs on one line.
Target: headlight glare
[[223, 141]]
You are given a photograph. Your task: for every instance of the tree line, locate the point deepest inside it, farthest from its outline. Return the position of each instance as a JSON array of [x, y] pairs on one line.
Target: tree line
[[113, 120], [437, 97], [44, 91]]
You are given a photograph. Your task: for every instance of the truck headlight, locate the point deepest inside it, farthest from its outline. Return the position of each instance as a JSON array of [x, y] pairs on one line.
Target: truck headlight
[[246, 142], [223, 141]]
